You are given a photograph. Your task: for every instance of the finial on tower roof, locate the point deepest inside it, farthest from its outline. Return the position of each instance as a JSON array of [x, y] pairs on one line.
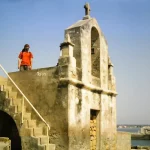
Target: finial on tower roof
[[109, 62], [67, 38], [87, 11], [67, 41]]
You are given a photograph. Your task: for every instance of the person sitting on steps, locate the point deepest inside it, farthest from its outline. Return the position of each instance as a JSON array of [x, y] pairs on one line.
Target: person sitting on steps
[[25, 59]]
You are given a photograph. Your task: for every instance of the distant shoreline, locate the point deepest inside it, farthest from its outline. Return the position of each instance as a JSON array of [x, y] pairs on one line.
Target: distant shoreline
[[131, 126]]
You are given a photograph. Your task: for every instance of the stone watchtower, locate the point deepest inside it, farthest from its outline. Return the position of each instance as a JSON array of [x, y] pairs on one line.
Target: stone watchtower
[[87, 70]]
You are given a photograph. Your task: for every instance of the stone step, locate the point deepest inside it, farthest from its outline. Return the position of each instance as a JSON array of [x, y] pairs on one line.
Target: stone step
[[38, 131], [11, 88], [25, 109], [27, 116], [13, 109], [41, 140], [44, 140], [17, 101], [9, 83], [52, 146], [45, 130], [8, 102], [47, 147], [3, 81], [19, 106], [11, 94], [28, 132], [18, 116], [30, 123], [1, 87], [8, 88]]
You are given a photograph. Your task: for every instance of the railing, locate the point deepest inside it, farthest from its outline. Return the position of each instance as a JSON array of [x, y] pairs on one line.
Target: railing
[[24, 98]]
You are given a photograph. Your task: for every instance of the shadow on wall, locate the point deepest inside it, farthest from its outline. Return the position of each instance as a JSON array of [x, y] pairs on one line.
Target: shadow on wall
[[95, 52], [9, 129]]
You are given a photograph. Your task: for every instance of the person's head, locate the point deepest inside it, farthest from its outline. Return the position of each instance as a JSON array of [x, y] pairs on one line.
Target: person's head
[[26, 47]]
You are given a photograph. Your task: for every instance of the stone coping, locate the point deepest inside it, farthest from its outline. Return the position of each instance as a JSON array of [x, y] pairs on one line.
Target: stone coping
[[86, 86]]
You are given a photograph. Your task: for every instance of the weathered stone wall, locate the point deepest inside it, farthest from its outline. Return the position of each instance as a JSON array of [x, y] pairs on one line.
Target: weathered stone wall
[[49, 98], [75, 39], [123, 141], [108, 123], [95, 52], [106, 104], [81, 101], [80, 35], [103, 62]]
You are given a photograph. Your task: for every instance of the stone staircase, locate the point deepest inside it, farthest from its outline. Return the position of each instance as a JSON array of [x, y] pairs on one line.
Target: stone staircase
[[13, 106]]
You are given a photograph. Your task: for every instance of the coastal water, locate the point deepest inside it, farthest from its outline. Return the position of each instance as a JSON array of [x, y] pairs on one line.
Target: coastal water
[[136, 142]]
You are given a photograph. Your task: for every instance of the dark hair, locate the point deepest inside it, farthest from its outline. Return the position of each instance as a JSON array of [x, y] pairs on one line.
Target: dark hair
[[24, 50], [25, 46]]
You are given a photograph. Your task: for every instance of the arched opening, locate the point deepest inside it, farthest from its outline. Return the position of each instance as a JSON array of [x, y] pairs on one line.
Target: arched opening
[[9, 129], [95, 53]]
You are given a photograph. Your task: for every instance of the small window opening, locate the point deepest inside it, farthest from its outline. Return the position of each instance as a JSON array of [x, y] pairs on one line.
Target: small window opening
[[92, 51]]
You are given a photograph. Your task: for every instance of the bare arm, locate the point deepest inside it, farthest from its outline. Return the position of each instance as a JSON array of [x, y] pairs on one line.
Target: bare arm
[[19, 63], [31, 62]]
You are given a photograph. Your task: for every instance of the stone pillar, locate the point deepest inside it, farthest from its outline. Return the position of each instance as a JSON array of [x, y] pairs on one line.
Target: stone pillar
[[67, 47], [86, 54], [67, 62], [111, 77], [110, 66], [103, 62]]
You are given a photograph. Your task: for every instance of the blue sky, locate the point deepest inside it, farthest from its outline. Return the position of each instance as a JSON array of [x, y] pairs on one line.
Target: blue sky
[[125, 23]]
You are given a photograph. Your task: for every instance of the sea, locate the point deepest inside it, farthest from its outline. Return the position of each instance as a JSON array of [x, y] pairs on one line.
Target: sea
[[135, 142]]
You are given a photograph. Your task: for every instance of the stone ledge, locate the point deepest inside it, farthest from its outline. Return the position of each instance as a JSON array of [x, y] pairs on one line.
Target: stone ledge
[[89, 87]]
